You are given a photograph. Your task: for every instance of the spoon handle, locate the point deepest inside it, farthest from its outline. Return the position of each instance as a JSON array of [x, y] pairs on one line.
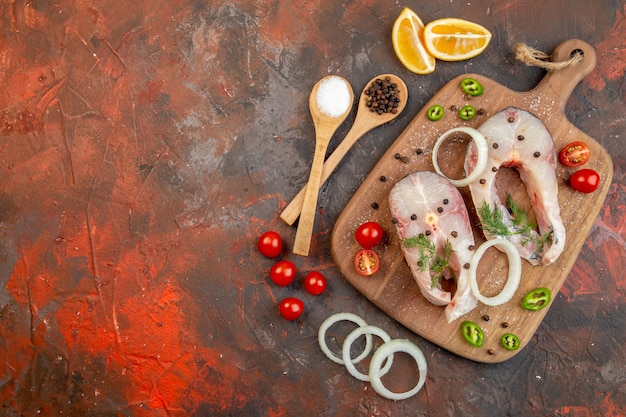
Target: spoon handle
[[292, 211], [307, 217]]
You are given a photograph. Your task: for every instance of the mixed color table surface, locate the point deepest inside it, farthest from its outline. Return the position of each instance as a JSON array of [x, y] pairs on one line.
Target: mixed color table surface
[[144, 147]]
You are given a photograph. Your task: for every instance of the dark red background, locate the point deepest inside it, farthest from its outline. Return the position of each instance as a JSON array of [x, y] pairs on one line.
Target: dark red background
[[145, 145]]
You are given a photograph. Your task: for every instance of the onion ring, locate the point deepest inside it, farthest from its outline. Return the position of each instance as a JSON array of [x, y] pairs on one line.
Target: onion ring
[[481, 164], [335, 318], [387, 350], [513, 280], [348, 343]]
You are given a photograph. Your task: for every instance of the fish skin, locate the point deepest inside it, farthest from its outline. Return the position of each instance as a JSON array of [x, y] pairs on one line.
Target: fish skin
[[537, 173], [422, 194]]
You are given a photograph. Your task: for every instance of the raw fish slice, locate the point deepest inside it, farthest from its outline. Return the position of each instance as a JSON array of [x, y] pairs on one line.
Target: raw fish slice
[[518, 139], [427, 206]]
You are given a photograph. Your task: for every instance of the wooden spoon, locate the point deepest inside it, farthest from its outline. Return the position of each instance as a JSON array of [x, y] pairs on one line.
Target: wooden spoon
[[365, 121], [325, 127]]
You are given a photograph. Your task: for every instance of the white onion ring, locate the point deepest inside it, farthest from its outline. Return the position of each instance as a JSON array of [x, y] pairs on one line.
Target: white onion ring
[[348, 343], [335, 318], [481, 146], [386, 351], [513, 280]]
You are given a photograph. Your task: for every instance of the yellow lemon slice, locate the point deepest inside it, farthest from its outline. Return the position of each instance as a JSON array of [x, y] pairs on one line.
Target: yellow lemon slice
[[453, 39], [408, 43]]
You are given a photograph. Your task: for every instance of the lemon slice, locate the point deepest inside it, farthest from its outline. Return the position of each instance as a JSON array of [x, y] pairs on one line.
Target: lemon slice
[[408, 43], [453, 39]]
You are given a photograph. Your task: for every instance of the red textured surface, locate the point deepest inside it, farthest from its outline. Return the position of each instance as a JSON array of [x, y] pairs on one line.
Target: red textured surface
[[145, 145]]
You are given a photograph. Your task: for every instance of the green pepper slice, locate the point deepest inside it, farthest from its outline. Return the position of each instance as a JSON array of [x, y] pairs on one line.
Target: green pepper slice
[[467, 112], [472, 333], [537, 299], [509, 341], [435, 113], [472, 87]]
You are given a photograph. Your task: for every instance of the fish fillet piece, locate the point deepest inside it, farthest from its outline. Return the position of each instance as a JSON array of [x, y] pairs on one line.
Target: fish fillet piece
[[435, 233], [518, 139]]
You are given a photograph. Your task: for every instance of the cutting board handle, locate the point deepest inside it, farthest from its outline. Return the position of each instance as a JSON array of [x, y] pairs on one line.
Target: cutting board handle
[[560, 83]]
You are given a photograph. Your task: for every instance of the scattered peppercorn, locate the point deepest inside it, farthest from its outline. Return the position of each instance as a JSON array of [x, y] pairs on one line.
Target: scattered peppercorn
[[454, 233], [537, 154], [480, 112], [482, 181], [491, 351], [383, 96], [520, 137], [486, 317], [383, 178], [419, 151], [397, 156], [405, 159], [495, 146], [504, 324], [494, 169], [471, 247], [427, 233], [445, 201], [375, 205], [466, 265], [440, 209], [511, 119], [413, 216]]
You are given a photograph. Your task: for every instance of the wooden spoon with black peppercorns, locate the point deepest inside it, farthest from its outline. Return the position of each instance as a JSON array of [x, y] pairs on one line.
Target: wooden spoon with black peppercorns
[[382, 100]]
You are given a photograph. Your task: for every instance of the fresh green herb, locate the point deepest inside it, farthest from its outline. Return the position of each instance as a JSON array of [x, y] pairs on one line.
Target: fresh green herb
[[494, 223], [428, 257]]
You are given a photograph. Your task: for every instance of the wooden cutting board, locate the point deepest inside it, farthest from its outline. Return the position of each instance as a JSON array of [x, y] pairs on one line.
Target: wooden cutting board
[[393, 289]]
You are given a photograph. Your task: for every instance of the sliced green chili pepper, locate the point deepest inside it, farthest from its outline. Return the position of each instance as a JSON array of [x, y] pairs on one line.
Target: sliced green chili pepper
[[472, 87], [435, 113], [510, 341], [467, 112], [472, 333], [537, 299]]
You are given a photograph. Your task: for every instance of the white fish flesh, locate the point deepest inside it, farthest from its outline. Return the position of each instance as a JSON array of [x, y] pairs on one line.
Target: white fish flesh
[[436, 238], [518, 139]]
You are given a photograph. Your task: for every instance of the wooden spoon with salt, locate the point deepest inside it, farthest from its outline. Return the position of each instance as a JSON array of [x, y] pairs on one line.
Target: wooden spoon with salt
[[365, 121], [326, 123]]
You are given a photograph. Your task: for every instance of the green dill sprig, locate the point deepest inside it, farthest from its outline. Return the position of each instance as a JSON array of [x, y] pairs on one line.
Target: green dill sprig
[[428, 257], [493, 222]]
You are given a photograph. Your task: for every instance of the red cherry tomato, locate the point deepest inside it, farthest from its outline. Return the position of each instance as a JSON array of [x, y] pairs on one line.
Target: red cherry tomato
[[270, 244], [291, 308], [585, 180], [574, 154], [315, 283], [369, 234], [366, 262], [283, 273]]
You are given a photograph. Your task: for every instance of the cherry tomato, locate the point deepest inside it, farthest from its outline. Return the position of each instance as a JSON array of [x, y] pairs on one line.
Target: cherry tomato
[[369, 234], [366, 262], [315, 283], [270, 244], [283, 273], [291, 308], [574, 154], [585, 180]]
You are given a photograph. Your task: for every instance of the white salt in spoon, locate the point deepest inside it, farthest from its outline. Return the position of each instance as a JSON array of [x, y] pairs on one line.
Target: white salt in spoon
[[365, 121], [326, 103]]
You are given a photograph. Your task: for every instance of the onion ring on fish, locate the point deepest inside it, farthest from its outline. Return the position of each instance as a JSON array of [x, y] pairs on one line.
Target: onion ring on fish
[[347, 344], [514, 277], [386, 351], [335, 318], [482, 150]]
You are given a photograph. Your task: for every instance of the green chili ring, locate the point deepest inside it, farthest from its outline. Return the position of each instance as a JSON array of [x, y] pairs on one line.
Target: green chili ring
[[472, 87], [537, 299], [467, 112], [435, 113], [472, 333], [509, 341]]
